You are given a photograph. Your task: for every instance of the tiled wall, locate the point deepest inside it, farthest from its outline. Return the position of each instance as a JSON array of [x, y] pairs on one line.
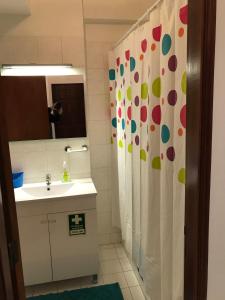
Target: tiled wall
[[99, 40], [52, 34], [38, 158], [26, 41]]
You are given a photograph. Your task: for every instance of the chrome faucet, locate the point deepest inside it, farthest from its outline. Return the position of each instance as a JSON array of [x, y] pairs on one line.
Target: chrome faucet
[[48, 181]]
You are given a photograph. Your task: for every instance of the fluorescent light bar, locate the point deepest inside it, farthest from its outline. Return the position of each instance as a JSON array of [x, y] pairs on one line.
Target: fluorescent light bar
[[38, 70]]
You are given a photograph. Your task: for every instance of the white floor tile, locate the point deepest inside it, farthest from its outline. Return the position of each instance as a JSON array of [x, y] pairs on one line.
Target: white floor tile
[[111, 267], [136, 293], [117, 277], [125, 264], [131, 278], [126, 294], [121, 252], [108, 254], [43, 289], [109, 246]]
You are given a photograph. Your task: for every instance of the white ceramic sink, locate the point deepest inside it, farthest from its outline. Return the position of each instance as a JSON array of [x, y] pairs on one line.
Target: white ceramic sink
[[42, 191], [38, 191]]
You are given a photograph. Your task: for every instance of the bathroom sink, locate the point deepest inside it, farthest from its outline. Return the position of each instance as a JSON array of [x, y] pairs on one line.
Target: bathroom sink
[[59, 189]]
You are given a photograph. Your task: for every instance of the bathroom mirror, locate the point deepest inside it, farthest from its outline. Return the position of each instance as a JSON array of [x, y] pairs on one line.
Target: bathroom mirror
[[43, 107]]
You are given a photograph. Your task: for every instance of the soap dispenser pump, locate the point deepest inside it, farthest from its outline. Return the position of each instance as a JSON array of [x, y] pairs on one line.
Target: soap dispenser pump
[[66, 176]]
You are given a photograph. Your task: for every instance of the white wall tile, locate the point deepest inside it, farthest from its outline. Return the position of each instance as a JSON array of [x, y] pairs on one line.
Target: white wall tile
[[98, 132], [49, 50], [99, 108], [73, 51], [104, 201], [31, 163], [104, 222], [101, 178], [18, 50], [100, 156], [104, 239]]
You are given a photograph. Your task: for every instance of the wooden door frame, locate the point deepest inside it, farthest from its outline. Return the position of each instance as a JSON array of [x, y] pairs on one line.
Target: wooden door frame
[[201, 54], [201, 51], [11, 260]]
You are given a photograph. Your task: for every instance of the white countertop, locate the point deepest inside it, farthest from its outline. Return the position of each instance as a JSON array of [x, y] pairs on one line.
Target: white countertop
[[74, 188]]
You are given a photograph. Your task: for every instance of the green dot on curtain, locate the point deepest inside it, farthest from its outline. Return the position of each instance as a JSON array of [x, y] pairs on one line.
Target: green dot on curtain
[[129, 93], [119, 96], [143, 155], [184, 83], [121, 70], [112, 74], [130, 148], [156, 163], [182, 176], [166, 44], [132, 64], [133, 126], [156, 87], [144, 91], [120, 143]]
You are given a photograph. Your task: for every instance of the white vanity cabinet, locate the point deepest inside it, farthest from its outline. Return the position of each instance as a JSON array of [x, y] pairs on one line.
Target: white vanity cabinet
[[58, 238]]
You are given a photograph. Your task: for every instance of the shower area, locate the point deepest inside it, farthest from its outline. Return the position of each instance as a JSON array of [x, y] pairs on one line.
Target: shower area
[[147, 80]]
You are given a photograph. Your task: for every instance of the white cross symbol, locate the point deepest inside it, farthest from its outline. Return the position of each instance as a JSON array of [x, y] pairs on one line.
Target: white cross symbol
[[77, 219]]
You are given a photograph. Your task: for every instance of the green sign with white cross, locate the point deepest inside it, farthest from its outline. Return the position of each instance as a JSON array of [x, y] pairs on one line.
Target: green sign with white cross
[[77, 224]]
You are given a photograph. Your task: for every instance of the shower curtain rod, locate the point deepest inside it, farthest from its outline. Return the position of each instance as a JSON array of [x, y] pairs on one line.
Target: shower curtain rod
[[137, 23]]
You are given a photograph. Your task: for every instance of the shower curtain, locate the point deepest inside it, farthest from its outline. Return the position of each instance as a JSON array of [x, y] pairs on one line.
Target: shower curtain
[[148, 106]]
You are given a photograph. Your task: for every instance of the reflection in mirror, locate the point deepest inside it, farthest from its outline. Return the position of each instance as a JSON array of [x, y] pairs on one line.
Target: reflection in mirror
[[39, 107], [66, 107]]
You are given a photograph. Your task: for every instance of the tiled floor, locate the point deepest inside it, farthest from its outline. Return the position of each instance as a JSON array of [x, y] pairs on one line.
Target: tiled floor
[[114, 267]]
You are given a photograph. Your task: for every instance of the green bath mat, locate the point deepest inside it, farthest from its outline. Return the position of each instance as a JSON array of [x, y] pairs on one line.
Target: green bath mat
[[102, 292]]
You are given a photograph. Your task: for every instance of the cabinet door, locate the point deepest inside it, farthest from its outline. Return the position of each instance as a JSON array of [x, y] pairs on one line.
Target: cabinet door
[[35, 249], [25, 107], [73, 255]]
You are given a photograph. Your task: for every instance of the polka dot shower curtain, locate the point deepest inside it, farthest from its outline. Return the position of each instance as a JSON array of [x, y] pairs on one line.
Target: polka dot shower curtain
[[148, 105]]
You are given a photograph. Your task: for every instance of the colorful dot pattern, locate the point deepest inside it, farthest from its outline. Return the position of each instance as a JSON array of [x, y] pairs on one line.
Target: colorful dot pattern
[[148, 85]]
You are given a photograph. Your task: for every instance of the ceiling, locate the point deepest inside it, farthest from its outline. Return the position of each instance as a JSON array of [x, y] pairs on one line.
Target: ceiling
[[93, 9], [115, 9], [15, 7]]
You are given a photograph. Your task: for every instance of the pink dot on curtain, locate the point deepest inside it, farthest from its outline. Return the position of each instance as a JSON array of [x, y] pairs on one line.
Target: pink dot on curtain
[[144, 45], [183, 116], [144, 114], [156, 33], [156, 114]]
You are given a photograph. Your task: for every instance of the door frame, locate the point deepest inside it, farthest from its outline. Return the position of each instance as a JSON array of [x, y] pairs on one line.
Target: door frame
[[200, 76], [10, 262], [200, 86]]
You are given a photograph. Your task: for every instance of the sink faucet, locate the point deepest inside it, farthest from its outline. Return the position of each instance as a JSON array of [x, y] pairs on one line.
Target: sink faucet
[[48, 181]]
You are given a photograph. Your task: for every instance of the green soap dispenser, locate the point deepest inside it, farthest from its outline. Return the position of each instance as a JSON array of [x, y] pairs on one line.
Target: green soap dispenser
[[66, 175]]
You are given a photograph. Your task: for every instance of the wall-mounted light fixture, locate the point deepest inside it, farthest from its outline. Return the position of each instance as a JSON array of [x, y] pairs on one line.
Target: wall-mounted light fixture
[[38, 70]]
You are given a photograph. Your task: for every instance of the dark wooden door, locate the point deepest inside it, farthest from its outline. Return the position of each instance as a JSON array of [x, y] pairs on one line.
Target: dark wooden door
[[26, 108], [11, 275]]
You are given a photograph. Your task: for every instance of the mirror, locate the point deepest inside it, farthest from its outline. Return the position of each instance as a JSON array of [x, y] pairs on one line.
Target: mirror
[[44, 107]]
